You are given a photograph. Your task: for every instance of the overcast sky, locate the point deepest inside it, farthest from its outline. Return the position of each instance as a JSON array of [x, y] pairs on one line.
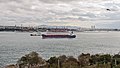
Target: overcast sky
[[84, 13]]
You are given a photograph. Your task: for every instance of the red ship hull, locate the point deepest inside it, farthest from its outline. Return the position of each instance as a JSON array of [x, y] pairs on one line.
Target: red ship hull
[[58, 36]]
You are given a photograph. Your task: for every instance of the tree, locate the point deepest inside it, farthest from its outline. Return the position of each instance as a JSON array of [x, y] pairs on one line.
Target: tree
[[70, 62], [84, 59], [53, 62], [30, 59]]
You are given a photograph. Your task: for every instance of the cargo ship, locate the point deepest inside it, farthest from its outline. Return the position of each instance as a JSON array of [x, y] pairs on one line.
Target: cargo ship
[[58, 35]]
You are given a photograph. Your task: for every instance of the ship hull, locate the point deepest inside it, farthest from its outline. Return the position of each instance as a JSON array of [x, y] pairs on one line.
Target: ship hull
[[58, 36]]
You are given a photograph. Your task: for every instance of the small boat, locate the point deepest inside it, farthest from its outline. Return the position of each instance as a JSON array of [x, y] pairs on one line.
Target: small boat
[[35, 35], [58, 35]]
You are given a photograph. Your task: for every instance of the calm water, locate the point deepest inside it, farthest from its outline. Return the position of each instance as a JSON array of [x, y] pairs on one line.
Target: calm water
[[13, 45]]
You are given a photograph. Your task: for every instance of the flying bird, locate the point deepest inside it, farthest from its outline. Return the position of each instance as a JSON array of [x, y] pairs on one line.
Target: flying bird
[[108, 9]]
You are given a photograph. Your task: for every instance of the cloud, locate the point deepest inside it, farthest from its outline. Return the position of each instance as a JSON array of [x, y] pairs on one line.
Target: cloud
[[57, 1], [59, 12], [113, 24]]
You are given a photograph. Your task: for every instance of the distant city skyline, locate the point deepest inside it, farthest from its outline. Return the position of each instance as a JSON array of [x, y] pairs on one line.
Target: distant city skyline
[[82, 13]]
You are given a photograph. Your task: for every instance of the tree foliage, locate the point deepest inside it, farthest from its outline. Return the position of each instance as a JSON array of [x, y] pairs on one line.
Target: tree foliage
[[31, 58], [83, 61]]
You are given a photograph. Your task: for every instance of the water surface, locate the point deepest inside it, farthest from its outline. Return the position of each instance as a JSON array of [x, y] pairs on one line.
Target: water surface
[[13, 45]]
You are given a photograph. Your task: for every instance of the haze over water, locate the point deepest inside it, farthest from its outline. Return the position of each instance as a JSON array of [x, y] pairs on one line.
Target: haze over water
[[14, 45]]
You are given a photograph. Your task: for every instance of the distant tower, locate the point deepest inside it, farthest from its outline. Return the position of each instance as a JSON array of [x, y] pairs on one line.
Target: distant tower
[[21, 26], [93, 27]]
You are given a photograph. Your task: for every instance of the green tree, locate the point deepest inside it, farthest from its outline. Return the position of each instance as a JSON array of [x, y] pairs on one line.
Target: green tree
[[105, 58], [71, 62], [53, 62], [84, 59], [30, 59]]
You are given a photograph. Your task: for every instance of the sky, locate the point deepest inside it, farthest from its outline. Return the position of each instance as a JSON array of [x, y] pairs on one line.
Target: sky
[[83, 13]]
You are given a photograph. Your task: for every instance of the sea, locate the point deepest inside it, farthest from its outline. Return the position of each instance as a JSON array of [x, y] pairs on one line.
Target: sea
[[14, 45]]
